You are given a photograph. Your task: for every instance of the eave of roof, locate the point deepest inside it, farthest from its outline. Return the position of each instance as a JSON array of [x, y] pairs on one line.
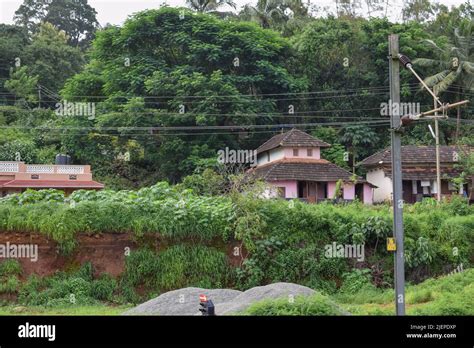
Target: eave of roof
[[413, 154], [303, 169]]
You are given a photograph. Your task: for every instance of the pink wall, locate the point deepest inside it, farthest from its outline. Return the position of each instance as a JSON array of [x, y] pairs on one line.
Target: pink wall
[[290, 186], [368, 194], [331, 189], [349, 191], [302, 153]]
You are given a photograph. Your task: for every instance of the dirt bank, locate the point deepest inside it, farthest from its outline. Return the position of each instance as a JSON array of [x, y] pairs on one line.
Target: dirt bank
[[105, 251]]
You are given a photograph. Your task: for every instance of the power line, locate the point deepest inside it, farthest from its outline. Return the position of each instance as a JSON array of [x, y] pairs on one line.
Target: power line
[[161, 128]]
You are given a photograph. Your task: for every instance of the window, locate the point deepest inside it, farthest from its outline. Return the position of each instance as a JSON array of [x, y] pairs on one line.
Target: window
[[295, 152], [268, 156], [72, 177], [281, 192], [451, 186], [35, 176], [309, 152]]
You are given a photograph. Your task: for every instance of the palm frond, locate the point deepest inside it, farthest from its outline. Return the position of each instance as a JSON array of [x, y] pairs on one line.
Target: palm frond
[[426, 62], [433, 44], [468, 67], [444, 84], [436, 78]]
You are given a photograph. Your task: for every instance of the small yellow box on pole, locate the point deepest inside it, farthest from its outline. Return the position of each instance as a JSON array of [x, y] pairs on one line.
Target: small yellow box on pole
[[391, 246]]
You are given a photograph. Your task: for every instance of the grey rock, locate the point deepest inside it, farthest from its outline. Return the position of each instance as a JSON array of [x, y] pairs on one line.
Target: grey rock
[[227, 301], [260, 293], [182, 301]]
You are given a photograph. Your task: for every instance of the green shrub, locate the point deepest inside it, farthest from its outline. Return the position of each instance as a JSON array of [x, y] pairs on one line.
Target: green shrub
[[9, 285], [10, 267], [103, 288], [67, 289], [356, 280], [420, 296], [313, 305]]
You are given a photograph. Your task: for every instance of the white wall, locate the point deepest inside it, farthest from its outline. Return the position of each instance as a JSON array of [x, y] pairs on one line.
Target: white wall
[[384, 185], [275, 154]]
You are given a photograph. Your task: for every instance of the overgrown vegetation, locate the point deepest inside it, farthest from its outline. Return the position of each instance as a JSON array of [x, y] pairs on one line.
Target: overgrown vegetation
[[447, 295], [281, 240]]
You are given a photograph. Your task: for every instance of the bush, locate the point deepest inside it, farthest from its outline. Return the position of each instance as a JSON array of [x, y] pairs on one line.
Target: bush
[[313, 305], [9, 285], [356, 280], [10, 267], [66, 289], [103, 288], [176, 267]]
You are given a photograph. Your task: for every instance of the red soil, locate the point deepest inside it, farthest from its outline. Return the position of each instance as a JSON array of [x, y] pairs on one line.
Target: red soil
[[106, 252]]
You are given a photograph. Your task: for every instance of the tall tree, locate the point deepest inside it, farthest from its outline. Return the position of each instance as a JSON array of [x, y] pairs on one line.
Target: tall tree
[[456, 61], [51, 58], [194, 70], [76, 17], [208, 5], [358, 138], [13, 40], [417, 10], [267, 13]]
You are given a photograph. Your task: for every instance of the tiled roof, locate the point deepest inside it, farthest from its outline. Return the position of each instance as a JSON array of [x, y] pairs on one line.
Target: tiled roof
[[293, 138], [426, 173], [415, 154], [51, 184], [308, 170]]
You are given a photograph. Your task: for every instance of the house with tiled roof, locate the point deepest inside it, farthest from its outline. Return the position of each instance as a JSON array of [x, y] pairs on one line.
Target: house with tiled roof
[[291, 163], [16, 177], [418, 172]]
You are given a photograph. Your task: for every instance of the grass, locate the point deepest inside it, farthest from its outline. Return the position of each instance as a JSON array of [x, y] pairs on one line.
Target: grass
[[101, 309], [447, 295]]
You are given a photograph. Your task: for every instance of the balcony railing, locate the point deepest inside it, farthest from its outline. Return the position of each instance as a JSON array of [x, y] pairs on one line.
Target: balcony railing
[[7, 167], [19, 167], [66, 169], [39, 168]]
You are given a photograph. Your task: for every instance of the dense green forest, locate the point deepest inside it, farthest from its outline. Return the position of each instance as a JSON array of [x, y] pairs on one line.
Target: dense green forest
[[199, 67]]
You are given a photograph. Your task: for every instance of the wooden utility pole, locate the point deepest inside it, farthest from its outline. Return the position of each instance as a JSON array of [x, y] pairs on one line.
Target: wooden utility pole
[[394, 77]]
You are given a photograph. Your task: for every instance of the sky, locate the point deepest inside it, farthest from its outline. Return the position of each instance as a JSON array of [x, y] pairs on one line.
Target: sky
[[116, 11]]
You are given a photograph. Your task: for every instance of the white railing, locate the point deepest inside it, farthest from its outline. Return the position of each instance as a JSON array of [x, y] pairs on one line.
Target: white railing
[[9, 167], [65, 169], [13, 167], [40, 168]]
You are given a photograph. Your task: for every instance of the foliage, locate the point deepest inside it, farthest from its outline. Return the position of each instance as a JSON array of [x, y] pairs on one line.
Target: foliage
[[76, 18], [176, 267], [356, 280], [10, 267], [447, 295], [23, 85], [314, 305], [209, 183], [67, 289]]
